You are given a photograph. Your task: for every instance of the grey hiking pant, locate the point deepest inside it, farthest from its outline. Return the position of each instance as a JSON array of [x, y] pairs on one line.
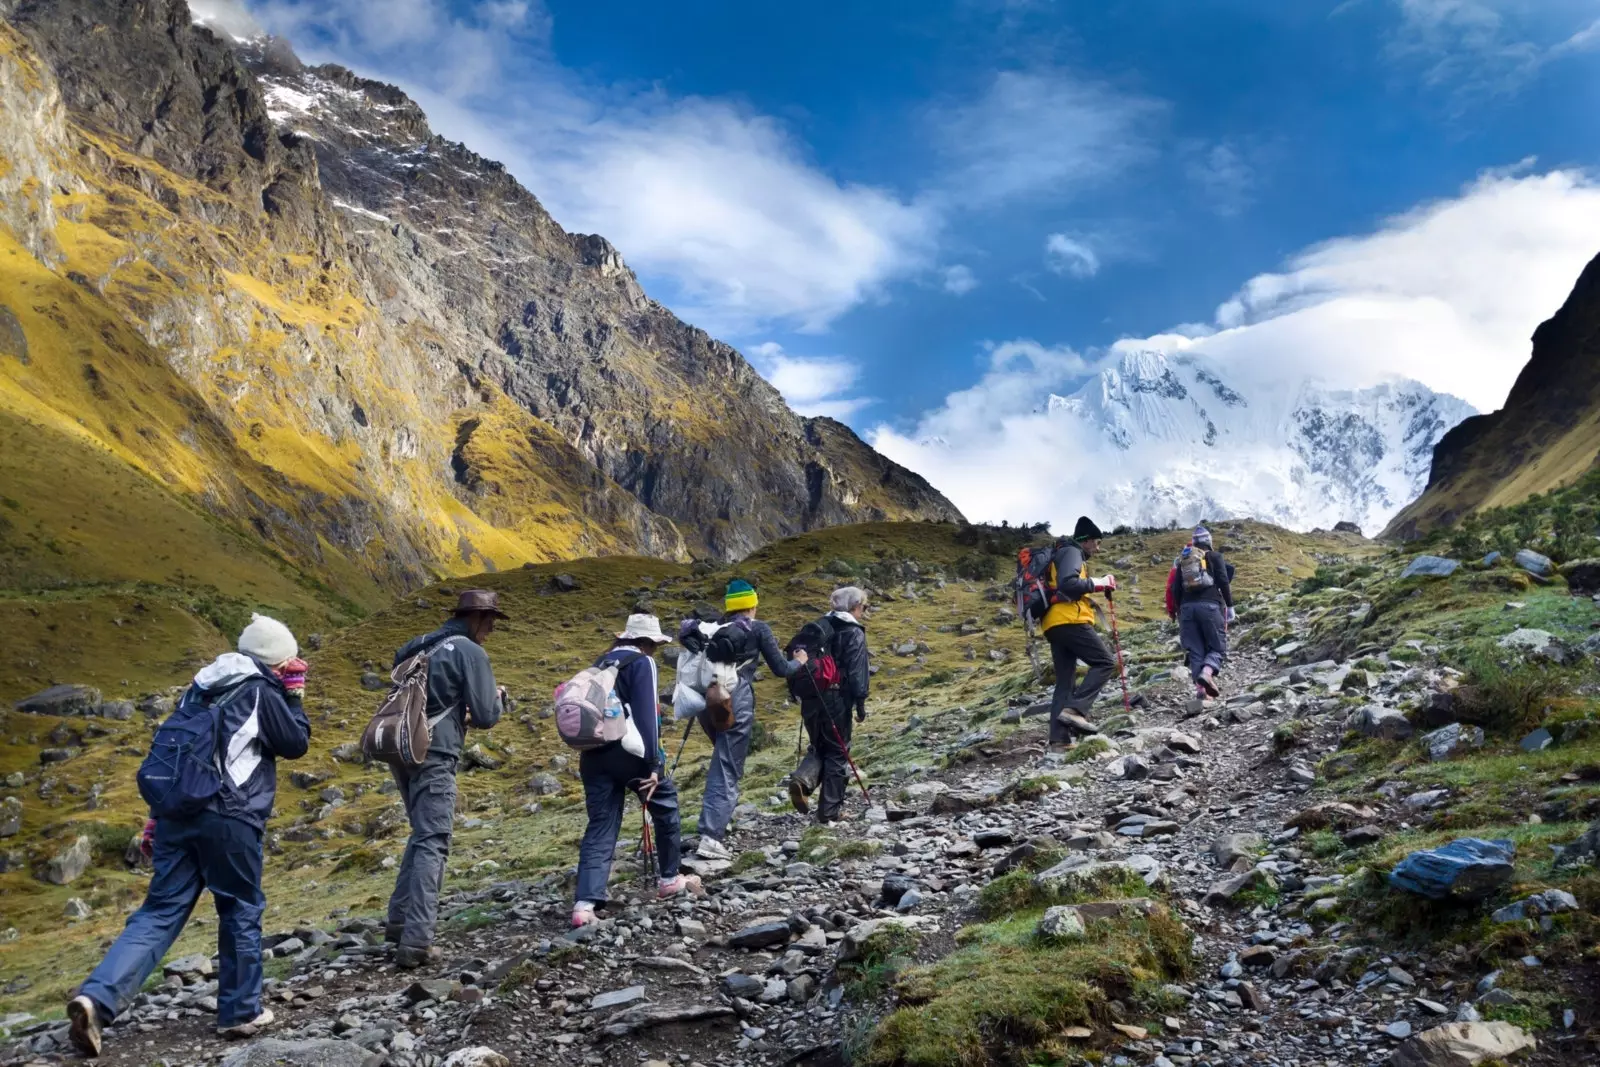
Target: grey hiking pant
[[728, 750], [1203, 635], [429, 793]]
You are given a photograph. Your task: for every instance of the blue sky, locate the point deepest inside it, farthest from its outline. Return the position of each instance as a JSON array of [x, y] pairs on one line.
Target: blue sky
[[873, 200]]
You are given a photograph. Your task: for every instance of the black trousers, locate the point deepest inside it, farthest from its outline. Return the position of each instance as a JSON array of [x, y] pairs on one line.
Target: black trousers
[[822, 717], [1069, 645]]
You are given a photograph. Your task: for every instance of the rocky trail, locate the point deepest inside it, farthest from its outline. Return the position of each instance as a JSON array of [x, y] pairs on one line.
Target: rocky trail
[[1200, 805]]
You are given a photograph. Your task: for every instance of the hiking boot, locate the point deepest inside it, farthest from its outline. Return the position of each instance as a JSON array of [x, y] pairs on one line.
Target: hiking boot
[[85, 1029], [683, 883], [712, 849], [1079, 723], [797, 796], [410, 957], [239, 1031], [1208, 683]]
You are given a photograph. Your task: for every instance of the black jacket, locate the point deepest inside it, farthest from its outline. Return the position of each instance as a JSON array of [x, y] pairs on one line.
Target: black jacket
[[460, 681], [1219, 592], [1069, 560], [850, 653]]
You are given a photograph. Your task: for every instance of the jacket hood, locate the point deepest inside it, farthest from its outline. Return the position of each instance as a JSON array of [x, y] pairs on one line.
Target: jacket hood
[[846, 617], [227, 671]]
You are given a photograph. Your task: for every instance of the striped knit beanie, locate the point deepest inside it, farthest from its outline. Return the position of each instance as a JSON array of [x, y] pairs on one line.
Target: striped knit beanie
[[741, 596]]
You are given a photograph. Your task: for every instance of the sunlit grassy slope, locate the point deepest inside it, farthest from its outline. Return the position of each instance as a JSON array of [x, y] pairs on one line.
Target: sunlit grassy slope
[[318, 865]]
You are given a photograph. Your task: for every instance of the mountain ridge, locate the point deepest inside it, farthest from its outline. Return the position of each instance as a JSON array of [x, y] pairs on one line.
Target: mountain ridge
[[379, 403]]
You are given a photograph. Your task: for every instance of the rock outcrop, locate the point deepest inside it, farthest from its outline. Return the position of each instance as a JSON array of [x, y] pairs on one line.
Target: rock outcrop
[[274, 290]]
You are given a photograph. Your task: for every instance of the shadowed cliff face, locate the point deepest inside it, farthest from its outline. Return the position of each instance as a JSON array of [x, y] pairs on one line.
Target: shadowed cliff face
[[384, 356], [1546, 435]]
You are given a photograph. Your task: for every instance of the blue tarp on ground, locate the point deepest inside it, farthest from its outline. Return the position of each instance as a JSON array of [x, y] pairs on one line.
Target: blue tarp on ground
[[1465, 869]]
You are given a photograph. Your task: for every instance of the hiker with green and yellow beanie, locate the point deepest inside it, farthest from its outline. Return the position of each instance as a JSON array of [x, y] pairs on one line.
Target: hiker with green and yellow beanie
[[744, 643]]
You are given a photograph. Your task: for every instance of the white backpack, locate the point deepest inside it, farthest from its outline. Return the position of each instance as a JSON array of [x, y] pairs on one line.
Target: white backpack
[[590, 715]]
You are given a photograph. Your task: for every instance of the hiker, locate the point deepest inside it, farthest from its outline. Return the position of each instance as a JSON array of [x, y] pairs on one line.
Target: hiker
[[826, 715], [250, 703], [1203, 593], [462, 690], [1069, 629], [730, 747], [611, 772]]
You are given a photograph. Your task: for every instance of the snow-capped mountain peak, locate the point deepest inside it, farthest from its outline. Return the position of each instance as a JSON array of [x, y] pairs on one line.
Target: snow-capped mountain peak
[[1186, 440]]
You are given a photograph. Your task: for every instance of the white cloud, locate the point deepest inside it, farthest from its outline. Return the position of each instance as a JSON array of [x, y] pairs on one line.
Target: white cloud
[[1480, 47], [229, 16], [1070, 256], [812, 385], [959, 280], [1040, 133], [1224, 176], [1447, 294]]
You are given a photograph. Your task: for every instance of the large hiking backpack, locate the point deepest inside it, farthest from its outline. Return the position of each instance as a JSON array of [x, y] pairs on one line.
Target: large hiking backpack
[[183, 770], [1035, 589], [734, 642], [1192, 569], [821, 671], [589, 713], [400, 731]]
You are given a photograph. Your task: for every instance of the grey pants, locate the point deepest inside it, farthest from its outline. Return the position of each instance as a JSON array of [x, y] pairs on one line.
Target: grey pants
[[1204, 637], [429, 793], [1071, 644], [728, 750]]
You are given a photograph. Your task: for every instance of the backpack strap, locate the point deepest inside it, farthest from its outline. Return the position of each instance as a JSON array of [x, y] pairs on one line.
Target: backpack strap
[[627, 657]]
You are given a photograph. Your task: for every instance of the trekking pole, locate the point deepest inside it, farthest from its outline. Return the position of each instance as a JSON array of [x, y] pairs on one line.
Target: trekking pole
[[647, 845], [687, 728], [1116, 642], [839, 738]]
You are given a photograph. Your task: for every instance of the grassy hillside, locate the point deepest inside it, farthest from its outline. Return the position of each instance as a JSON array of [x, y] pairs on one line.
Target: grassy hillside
[[938, 586]]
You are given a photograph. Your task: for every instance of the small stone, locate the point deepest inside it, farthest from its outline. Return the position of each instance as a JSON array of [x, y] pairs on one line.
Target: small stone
[[69, 864], [761, 935], [77, 909], [1060, 922], [1398, 1030], [617, 998]]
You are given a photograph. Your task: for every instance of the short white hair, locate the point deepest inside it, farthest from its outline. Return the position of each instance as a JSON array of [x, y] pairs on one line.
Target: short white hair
[[848, 598]]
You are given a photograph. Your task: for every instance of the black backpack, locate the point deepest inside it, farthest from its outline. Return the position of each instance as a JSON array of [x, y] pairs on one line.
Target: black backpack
[[1035, 590], [734, 642], [821, 672]]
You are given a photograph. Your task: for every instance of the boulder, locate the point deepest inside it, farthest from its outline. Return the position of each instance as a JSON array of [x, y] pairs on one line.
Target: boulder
[[372, 681], [1549, 902], [1583, 576], [1230, 847], [1490, 559], [617, 998], [62, 700], [1452, 740], [1534, 562], [10, 817], [1527, 639], [1346, 526], [565, 583], [959, 803], [1374, 720], [477, 1056], [761, 935], [1130, 768], [1226, 889], [1077, 876], [1462, 1045], [272, 1052], [1333, 813], [544, 784], [1468, 868], [1060, 923], [348, 752], [478, 756], [66, 866], [856, 941], [896, 886], [77, 909], [1361, 836], [1430, 567], [743, 985]]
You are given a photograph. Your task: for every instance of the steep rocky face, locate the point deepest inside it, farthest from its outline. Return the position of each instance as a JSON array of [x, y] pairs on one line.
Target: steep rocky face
[[1546, 435], [380, 352]]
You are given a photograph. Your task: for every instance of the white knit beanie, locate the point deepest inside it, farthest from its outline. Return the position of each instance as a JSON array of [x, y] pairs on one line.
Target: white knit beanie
[[268, 640]]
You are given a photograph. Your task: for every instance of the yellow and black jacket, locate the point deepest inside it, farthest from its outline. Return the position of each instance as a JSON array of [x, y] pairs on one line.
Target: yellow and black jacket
[[1069, 577]]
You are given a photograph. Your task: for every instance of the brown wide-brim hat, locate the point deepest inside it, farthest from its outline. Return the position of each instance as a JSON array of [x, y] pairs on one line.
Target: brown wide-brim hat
[[474, 600]]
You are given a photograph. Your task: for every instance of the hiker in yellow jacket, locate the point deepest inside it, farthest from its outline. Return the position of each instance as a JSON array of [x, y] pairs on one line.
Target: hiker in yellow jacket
[[1069, 629]]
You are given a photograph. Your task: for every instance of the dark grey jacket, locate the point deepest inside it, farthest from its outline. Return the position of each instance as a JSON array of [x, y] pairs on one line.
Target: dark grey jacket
[[1219, 592], [850, 653], [744, 696], [460, 681]]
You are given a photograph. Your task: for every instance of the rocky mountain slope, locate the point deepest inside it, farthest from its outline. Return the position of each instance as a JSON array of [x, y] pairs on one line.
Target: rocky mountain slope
[[1201, 886], [1188, 439], [1546, 435], [276, 293]]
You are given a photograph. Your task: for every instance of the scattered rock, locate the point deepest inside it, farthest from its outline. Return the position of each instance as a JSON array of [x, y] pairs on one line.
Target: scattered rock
[[1462, 1045], [1231, 847], [617, 998], [635, 1020], [1527, 639], [272, 1052], [1361, 836], [77, 909], [1583, 576], [10, 817], [761, 935], [1549, 902], [1468, 868], [1374, 720], [478, 1056], [373, 681], [68, 865], [63, 700], [1452, 740], [1537, 741], [1225, 890], [477, 756], [1060, 922]]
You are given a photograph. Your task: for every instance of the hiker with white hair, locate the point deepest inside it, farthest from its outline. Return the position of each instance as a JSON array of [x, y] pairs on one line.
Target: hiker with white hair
[[210, 780], [634, 764], [833, 682]]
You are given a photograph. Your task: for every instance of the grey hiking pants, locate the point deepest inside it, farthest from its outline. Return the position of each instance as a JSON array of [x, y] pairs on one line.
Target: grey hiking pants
[[429, 793], [1203, 635], [728, 750]]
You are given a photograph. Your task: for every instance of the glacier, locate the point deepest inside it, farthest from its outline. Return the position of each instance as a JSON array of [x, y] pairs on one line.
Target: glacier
[[1174, 438]]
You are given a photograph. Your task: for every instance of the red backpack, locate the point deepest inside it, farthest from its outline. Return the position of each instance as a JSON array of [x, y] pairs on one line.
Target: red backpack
[[821, 672], [1035, 590]]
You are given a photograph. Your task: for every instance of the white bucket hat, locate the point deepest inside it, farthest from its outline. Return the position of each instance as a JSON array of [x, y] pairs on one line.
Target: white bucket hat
[[644, 628]]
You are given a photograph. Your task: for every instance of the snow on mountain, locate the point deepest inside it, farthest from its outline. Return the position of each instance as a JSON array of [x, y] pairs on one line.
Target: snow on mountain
[[1178, 439]]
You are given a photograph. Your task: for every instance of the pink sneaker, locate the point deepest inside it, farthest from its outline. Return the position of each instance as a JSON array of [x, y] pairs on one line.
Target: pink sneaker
[[583, 914], [683, 883]]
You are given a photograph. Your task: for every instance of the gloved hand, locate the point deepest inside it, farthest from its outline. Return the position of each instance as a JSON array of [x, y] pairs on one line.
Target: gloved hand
[[293, 676], [861, 713], [1106, 584], [147, 840]]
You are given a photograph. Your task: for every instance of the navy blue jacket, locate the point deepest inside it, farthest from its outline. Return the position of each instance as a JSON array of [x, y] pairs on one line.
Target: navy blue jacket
[[638, 687], [261, 724]]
